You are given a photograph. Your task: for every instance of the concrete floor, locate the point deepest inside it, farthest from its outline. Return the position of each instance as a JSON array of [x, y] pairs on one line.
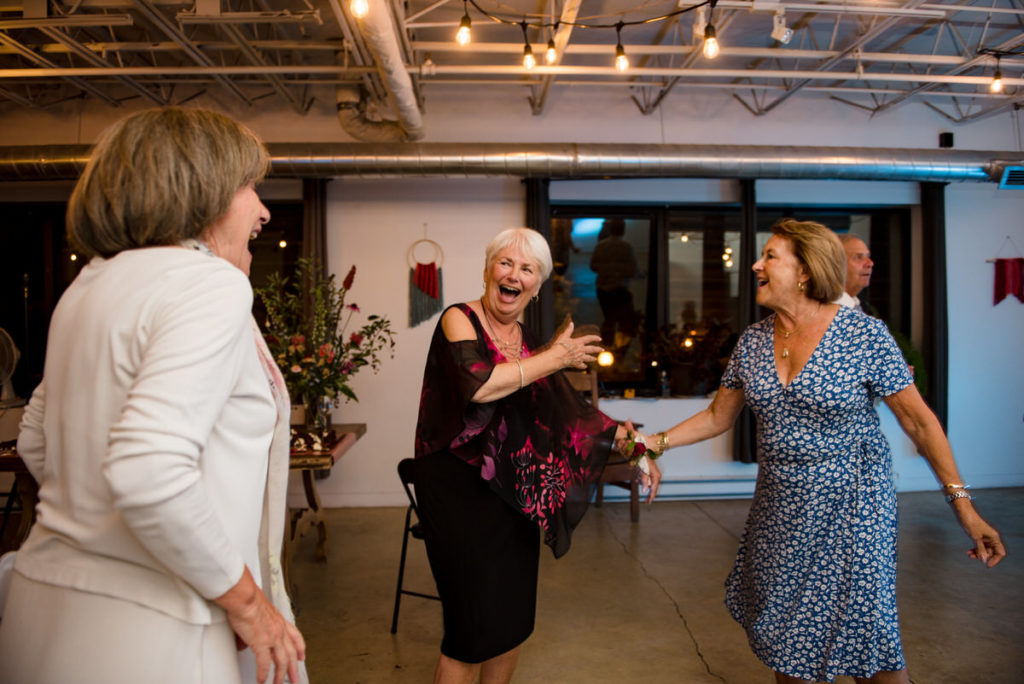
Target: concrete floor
[[643, 602]]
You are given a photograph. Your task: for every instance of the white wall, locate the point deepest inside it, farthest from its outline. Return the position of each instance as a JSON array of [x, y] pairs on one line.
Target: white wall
[[372, 223]]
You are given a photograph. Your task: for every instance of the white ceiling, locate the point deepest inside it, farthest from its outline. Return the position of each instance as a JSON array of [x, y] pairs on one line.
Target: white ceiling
[[871, 54]]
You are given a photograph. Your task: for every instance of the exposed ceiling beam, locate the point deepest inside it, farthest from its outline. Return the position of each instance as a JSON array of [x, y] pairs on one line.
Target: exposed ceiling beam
[[965, 66], [235, 34], [47, 65], [195, 54], [570, 10], [94, 59]]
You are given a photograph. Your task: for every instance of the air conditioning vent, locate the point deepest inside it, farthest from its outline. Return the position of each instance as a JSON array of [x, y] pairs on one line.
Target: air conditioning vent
[[1013, 177]]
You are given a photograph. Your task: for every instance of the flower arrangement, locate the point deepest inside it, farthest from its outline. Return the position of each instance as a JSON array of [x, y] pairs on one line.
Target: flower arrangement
[[307, 332]]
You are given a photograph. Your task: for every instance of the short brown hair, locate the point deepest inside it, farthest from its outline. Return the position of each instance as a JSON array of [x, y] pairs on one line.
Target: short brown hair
[[821, 252], [160, 176]]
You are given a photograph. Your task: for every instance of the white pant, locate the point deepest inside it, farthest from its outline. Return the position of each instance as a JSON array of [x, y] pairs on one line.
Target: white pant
[[56, 635]]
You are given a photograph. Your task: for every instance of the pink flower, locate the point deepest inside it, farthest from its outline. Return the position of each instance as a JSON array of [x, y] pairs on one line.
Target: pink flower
[[296, 369], [353, 307], [347, 367]]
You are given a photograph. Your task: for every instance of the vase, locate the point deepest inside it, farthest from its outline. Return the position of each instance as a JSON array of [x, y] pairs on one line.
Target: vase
[[318, 416]]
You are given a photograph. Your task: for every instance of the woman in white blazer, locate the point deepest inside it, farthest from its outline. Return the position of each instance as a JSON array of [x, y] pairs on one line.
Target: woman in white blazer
[[159, 434]]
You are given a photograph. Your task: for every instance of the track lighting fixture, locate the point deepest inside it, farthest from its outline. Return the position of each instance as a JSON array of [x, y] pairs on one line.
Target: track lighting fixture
[[359, 8], [700, 21], [462, 36], [780, 31], [997, 80], [621, 61]]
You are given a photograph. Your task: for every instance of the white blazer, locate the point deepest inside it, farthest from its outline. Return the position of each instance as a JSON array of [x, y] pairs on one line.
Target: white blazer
[[156, 438]]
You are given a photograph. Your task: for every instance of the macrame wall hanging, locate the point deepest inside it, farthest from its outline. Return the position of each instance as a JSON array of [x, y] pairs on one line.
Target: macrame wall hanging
[[426, 293], [1009, 276]]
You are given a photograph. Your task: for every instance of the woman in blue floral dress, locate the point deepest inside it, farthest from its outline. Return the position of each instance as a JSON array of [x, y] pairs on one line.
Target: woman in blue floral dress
[[814, 583]]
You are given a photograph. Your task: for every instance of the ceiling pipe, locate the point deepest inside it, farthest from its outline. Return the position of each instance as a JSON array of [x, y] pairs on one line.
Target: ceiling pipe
[[573, 161], [381, 35]]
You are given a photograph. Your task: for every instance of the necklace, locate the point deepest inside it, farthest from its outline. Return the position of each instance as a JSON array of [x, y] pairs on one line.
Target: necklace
[[508, 349], [787, 333]]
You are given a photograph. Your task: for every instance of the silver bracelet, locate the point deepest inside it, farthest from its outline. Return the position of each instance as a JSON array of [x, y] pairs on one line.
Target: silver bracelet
[[958, 494], [522, 380]]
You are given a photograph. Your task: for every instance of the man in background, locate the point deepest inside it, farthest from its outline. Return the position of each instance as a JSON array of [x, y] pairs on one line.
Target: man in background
[[858, 270]]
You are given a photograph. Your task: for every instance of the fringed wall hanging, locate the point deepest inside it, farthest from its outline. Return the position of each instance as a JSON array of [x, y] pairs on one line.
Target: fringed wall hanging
[[426, 291], [1009, 276]]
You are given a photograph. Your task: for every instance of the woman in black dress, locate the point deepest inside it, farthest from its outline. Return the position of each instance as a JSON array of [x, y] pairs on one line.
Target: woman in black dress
[[504, 446]]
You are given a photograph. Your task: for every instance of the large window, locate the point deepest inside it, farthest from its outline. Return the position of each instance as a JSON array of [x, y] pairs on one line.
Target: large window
[[665, 286]]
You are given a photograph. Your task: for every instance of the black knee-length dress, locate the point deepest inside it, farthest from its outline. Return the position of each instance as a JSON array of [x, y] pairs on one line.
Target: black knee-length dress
[[491, 474]]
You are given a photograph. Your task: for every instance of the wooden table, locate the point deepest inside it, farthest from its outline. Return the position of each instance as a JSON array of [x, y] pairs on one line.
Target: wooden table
[[302, 518], [27, 492]]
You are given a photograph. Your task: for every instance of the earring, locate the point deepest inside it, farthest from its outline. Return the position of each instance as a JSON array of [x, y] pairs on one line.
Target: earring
[[800, 286], [534, 298]]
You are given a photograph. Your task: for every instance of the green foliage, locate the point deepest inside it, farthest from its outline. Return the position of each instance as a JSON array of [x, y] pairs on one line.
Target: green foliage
[[914, 359], [306, 325]]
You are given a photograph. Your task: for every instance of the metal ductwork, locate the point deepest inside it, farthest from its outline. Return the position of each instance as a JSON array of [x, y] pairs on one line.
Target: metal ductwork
[[381, 35], [574, 161]]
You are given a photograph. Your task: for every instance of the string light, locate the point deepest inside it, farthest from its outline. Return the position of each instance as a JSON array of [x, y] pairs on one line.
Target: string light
[[621, 61], [997, 80], [551, 52], [711, 48], [462, 36], [359, 8], [605, 358], [529, 61]]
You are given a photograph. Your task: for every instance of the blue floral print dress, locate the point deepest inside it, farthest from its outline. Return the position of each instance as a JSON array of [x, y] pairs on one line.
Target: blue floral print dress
[[814, 583]]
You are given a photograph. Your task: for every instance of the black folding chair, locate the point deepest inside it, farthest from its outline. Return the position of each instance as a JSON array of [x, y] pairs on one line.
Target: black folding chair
[[407, 468]]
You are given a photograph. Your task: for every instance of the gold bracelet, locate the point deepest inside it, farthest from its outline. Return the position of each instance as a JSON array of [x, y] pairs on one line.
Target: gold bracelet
[[522, 380], [955, 486], [662, 442]]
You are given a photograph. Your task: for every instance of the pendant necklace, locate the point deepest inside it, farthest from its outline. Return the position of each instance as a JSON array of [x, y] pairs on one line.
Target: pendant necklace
[[787, 333], [508, 349]]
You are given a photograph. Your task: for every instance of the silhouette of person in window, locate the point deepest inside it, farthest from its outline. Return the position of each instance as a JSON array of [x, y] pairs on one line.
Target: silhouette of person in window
[[614, 263]]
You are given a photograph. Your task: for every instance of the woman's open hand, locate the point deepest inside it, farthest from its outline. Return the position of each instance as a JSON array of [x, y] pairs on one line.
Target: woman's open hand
[[261, 627], [574, 352]]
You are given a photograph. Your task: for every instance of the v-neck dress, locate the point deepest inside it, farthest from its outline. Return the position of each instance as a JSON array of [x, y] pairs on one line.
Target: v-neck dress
[[814, 583], [490, 477]]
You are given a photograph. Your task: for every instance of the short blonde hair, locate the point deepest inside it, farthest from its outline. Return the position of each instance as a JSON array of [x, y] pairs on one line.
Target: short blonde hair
[[160, 176], [532, 244], [821, 252]]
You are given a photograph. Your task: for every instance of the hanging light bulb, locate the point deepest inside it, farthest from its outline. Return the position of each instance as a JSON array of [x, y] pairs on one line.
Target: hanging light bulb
[[529, 61], [711, 48], [997, 80], [605, 358], [462, 36], [359, 8], [621, 61], [551, 54]]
